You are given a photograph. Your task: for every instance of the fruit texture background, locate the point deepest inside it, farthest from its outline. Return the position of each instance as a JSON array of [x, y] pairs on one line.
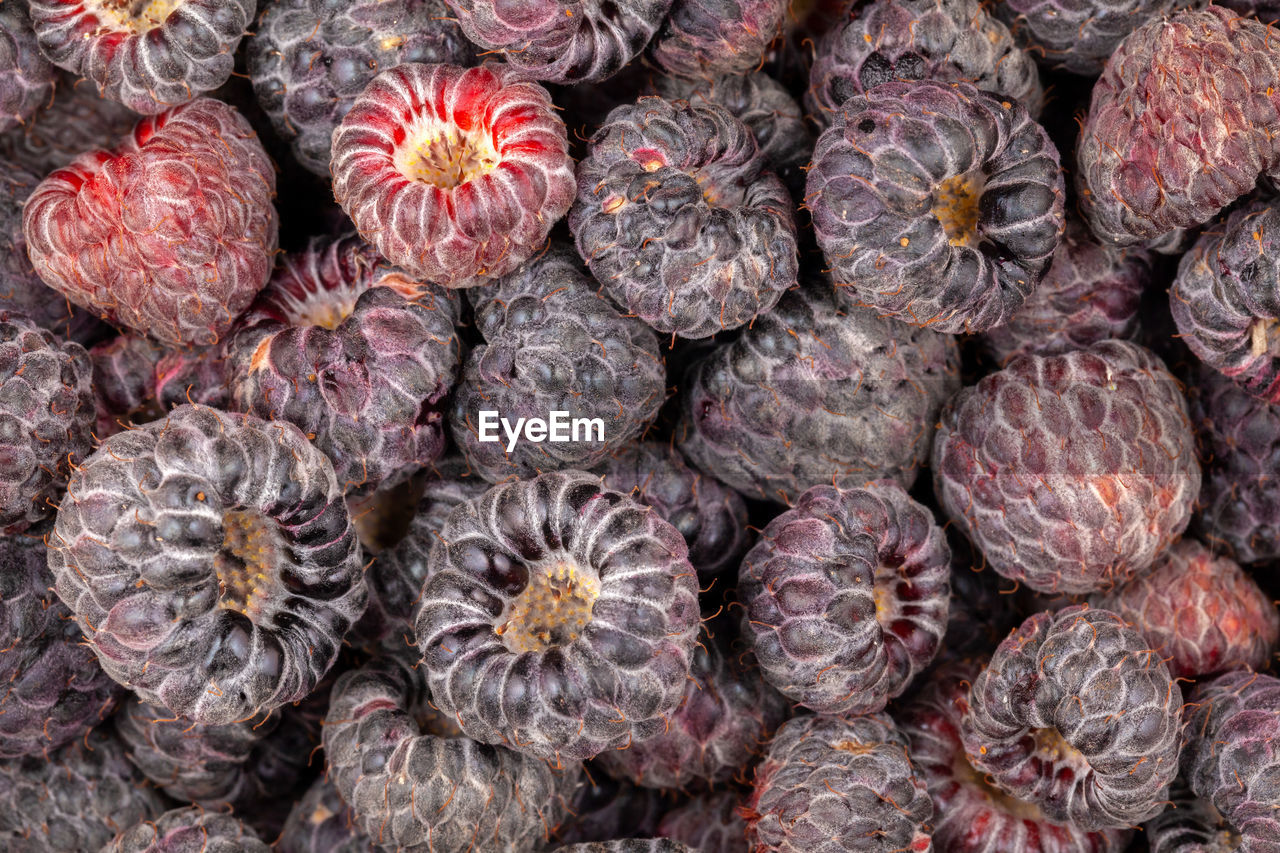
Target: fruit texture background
[[922, 366]]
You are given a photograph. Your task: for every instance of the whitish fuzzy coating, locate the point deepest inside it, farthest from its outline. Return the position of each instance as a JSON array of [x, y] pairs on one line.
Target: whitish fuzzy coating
[[702, 38], [210, 561], [1181, 124], [1071, 472], [562, 41], [416, 790], [26, 77], [1077, 714], [936, 203], [188, 830], [833, 785], [454, 174], [171, 233], [148, 56], [811, 394], [845, 597], [1078, 37], [580, 603], [1189, 825]]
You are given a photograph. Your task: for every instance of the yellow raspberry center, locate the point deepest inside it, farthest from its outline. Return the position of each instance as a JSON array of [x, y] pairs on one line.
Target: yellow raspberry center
[[251, 548], [444, 156], [551, 610], [1020, 809], [1051, 746], [955, 204], [136, 16]]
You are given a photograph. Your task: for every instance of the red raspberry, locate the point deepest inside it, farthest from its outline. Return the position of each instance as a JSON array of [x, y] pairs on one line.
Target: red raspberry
[[454, 174], [171, 232]]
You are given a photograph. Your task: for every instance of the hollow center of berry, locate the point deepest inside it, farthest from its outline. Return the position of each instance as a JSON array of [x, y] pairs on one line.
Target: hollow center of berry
[[955, 204], [1020, 809], [885, 592], [551, 610], [251, 548], [1264, 337], [1052, 747], [445, 156], [136, 16]]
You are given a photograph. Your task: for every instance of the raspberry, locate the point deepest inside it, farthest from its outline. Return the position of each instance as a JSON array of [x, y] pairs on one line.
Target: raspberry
[[1077, 37], [196, 375], [188, 830], [55, 691], [1071, 472], [726, 714], [1160, 151], [552, 344], [353, 352], [148, 56], [74, 121], [812, 395], [124, 382], [74, 799], [970, 814], [414, 786], [829, 785], [1089, 293], [1240, 445], [309, 59], [1266, 11], [712, 518], [603, 807], [455, 174], [562, 41], [981, 613], [579, 602], [680, 221], [1201, 613], [210, 561], [711, 823], [1226, 299], [936, 203], [951, 41], [170, 233], [26, 77], [1229, 758], [1078, 716], [47, 415], [1189, 825], [702, 38], [321, 822], [845, 596]]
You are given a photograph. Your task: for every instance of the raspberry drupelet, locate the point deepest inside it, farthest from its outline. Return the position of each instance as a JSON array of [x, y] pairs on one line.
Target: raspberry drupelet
[[210, 561], [454, 174], [558, 618], [150, 55]]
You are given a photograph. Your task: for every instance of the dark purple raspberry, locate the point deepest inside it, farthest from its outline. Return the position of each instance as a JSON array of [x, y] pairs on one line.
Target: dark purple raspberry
[[603, 807], [1160, 150], [454, 174], [982, 611], [1076, 714], [54, 690], [210, 560], [1190, 825], [845, 597], [148, 56], [1239, 506], [124, 382], [75, 799], [1267, 11], [832, 785], [26, 77], [576, 602], [951, 41], [630, 845], [812, 395], [703, 38], [310, 59], [1226, 299], [553, 345], [711, 823], [196, 375], [414, 785], [1071, 472], [1077, 37], [970, 814], [74, 121], [1230, 754], [171, 233], [725, 717], [1089, 293], [188, 830], [936, 203], [47, 415], [712, 518], [765, 107], [679, 219], [562, 41], [1200, 612], [321, 822], [355, 353]]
